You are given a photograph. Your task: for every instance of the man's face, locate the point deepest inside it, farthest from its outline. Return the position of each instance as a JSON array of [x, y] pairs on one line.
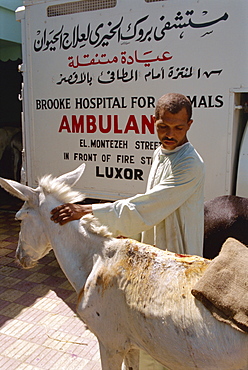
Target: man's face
[[172, 128]]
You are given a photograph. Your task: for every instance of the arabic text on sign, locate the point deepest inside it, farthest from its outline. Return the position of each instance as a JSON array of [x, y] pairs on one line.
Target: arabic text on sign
[[140, 31]]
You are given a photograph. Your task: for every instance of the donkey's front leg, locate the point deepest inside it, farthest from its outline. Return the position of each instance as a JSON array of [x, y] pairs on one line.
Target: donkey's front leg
[[110, 359], [131, 360]]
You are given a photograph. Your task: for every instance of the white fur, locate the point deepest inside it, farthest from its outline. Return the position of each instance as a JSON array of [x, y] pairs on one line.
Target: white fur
[[131, 295]]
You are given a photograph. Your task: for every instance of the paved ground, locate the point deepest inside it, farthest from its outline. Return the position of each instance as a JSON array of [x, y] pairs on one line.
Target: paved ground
[[39, 328]]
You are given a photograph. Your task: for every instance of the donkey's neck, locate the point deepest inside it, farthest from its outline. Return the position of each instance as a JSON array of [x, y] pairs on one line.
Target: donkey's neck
[[74, 249]]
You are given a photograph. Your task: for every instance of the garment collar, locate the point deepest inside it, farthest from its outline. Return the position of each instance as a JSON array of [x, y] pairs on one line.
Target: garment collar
[[165, 151]]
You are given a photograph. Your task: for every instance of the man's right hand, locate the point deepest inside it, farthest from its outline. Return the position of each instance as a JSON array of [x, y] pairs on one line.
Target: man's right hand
[[69, 212]]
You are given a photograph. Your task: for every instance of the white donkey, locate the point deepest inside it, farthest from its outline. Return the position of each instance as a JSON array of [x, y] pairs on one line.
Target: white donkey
[[132, 296]]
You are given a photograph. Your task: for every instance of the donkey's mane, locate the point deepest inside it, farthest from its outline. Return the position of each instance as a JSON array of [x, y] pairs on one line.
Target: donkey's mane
[[60, 190], [92, 224], [64, 194]]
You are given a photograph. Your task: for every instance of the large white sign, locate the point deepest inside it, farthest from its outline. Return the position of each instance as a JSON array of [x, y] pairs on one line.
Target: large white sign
[[94, 77]]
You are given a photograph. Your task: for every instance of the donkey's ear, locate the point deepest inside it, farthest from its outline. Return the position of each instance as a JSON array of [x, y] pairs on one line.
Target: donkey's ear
[[71, 178], [18, 190]]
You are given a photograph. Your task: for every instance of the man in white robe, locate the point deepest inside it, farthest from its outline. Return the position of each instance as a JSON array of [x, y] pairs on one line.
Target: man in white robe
[[170, 214]]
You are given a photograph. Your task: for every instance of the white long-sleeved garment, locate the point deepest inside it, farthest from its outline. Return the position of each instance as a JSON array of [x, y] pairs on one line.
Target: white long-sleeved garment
[[170, 214]]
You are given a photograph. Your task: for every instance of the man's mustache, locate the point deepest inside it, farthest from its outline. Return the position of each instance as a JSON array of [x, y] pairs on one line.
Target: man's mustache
[[169, 139]]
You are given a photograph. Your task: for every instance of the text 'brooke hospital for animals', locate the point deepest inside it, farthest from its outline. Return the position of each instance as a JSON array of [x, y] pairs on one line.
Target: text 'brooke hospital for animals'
[[105, 124]]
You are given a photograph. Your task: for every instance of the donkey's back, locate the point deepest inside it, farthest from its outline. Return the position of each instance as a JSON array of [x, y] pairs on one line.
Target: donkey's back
[[140, 298]]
